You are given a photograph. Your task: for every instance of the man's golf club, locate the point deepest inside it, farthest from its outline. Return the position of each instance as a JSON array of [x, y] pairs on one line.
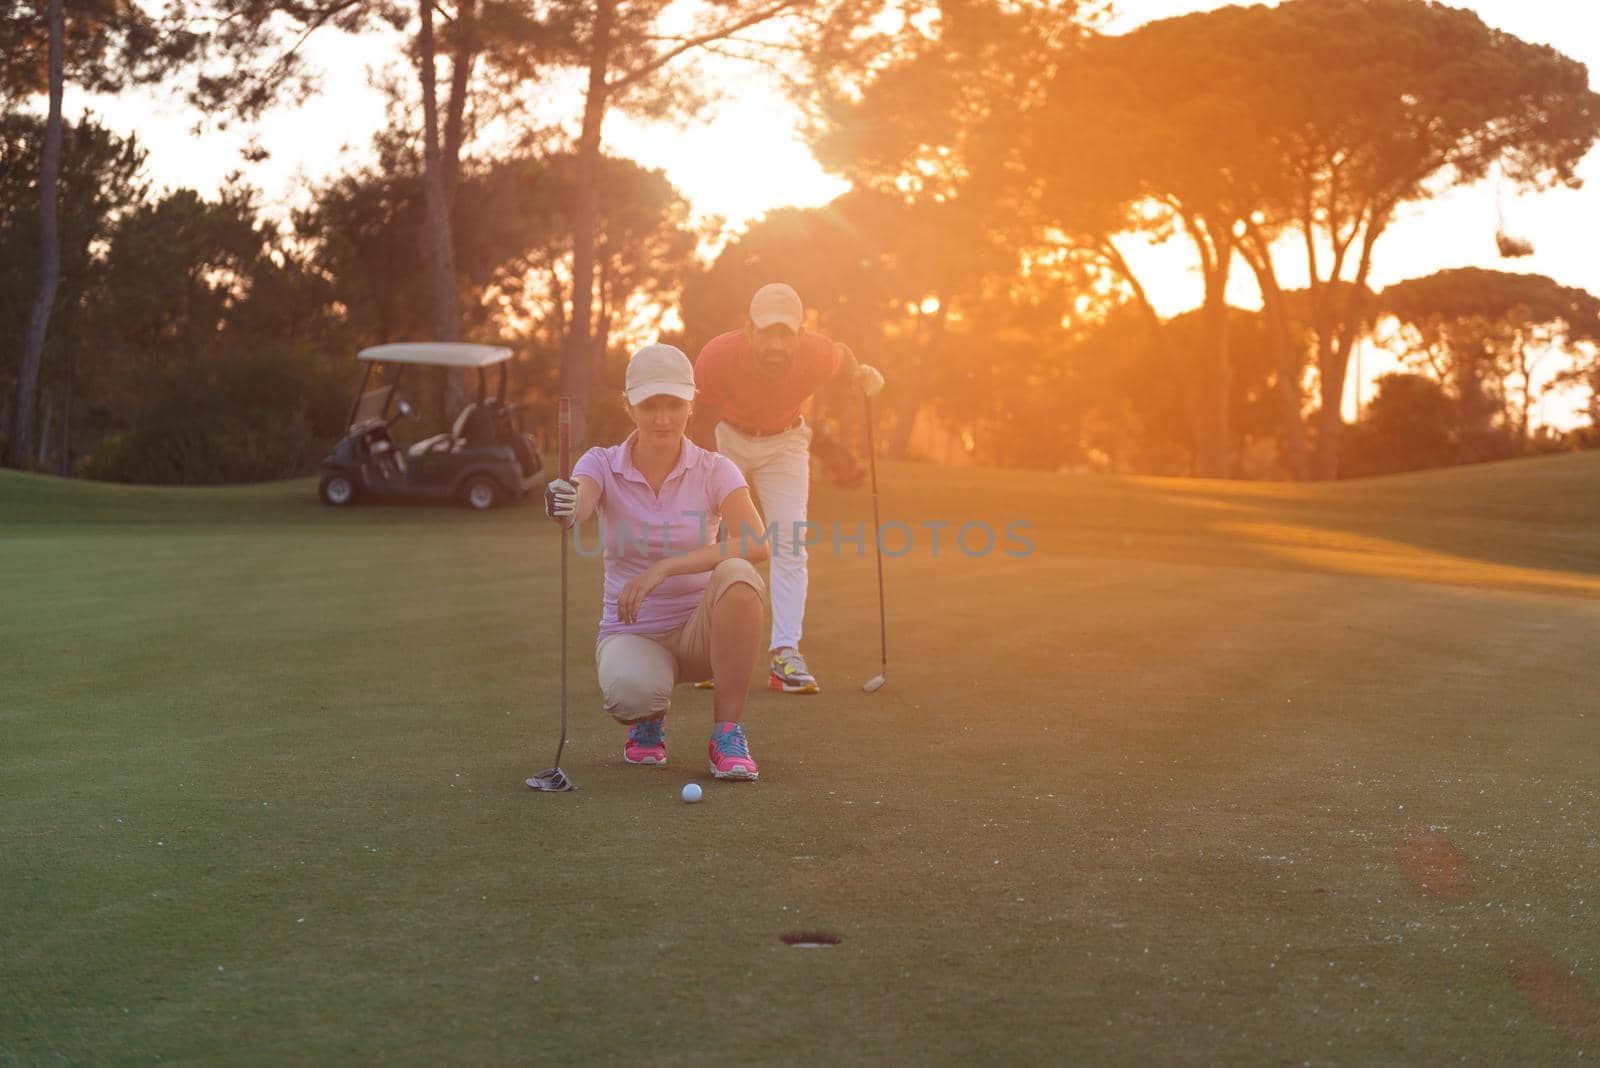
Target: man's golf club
[[874, 684], [554, 780]]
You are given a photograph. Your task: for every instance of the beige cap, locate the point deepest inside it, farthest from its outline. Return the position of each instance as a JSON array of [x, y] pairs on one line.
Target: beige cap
[[776, 303], [658, 369]]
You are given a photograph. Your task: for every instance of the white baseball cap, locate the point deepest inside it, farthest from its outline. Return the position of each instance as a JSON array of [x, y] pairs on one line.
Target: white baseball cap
[[658, 369], [776, 303]]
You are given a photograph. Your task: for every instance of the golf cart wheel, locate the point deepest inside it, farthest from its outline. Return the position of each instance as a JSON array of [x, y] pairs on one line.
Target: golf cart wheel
[[337, 491], [481, 493]]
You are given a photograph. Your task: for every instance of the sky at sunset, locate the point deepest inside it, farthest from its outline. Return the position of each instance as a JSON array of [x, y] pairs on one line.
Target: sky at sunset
[[746, 159]]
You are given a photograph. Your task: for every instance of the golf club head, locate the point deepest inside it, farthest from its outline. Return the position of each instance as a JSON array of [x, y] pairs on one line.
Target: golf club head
[[874, 684], [554, 781]]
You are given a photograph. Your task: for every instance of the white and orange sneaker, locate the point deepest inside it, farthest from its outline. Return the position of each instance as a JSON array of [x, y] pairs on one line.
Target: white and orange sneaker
[[790, 674], [730, 753]]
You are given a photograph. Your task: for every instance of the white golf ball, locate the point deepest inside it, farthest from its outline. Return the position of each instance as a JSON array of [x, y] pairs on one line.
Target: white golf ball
[[691, 793]]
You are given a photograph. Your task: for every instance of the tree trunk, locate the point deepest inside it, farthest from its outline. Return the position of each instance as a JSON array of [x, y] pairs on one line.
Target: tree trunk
[[465, 54], [601, 340], [1296, 456], [69, 351], [8, 417], [1285, 358], [49, 254], [1525, 369], [1334, 347], [558, 299], [47, 410], [437, 241], [1334, 369], [1217, 390], [1330, 419], [576, 360], [1215, 244]]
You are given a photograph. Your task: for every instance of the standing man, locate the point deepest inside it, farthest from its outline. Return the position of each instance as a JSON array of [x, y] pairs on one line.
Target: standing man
[[751, 385]]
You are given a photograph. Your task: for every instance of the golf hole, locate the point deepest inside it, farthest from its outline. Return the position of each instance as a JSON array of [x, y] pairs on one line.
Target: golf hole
[[809, 939]]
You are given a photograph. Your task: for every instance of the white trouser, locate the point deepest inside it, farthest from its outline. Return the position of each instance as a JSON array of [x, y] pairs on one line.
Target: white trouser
[[778, 468]]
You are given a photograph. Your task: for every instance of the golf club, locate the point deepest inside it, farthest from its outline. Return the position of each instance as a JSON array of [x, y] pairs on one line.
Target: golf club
[[874, 684], [554, 780]]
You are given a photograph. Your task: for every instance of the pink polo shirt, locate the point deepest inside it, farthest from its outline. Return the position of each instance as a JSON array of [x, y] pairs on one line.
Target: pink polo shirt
[[639, 527]]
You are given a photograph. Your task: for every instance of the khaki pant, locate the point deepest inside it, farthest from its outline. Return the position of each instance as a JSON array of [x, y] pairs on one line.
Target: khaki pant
[[638, 671]]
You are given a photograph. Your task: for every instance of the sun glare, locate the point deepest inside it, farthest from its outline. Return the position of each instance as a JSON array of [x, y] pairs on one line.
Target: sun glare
[[737, 165]]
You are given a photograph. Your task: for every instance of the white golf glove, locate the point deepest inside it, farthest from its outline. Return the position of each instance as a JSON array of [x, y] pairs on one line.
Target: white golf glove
[[560, 500], [869, 379]]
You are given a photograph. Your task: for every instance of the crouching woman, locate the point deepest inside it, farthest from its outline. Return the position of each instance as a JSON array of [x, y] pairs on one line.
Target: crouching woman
[[680, 604]]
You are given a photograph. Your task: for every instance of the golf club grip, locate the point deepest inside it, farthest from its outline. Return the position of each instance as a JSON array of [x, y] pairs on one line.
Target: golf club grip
[[564, 434]]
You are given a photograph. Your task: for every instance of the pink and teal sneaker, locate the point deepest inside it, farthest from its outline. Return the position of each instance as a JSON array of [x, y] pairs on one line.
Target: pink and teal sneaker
[[647, 743], [730, 753]]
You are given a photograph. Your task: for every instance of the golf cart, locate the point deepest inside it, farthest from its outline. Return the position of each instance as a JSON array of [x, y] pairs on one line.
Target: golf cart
[[483, 460]]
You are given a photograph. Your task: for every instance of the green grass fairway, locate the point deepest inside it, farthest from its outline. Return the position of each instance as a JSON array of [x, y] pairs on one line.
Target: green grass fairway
[[1220, 774]]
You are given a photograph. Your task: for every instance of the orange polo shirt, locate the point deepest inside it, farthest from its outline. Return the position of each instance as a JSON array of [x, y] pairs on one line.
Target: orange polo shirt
[[726, 376]]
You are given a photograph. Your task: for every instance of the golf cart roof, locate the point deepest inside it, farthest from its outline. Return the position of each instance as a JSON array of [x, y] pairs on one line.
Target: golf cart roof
[[438, 354]]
